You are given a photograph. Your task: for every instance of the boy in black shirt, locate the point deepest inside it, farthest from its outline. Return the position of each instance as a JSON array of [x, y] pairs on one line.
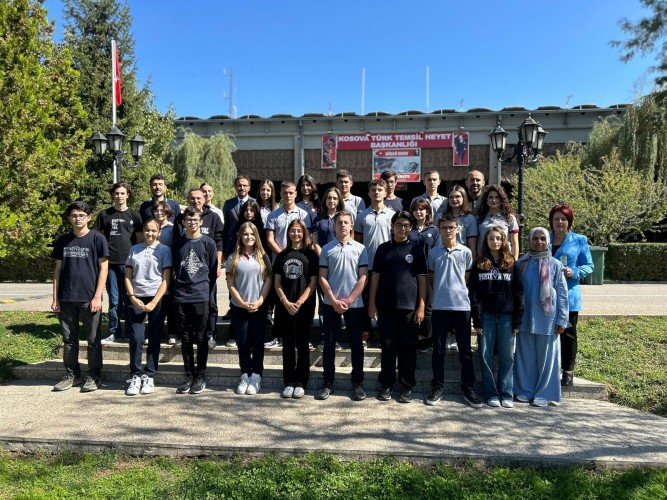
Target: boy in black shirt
[[397, 295], [121, 226], [195, 264], [78, 283]]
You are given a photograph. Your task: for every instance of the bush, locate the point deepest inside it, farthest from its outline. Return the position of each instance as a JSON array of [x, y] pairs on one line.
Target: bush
[[636, 262], [17, 269]]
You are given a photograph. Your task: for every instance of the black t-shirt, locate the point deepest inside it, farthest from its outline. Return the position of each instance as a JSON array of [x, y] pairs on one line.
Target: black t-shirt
[[195, 264], [398, 264], [296, 268], [119, 229], [80, 265]]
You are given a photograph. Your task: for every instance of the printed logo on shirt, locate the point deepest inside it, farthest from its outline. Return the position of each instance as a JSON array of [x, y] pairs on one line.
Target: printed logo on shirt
[[192, 264], [115, 229], [495, 275], [204, 230], [293, 269], [409, 258], [76, 252]]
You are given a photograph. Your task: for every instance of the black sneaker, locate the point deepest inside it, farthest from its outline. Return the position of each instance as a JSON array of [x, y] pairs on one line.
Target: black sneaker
[[198, 386], [434, 396], [358, 394], [324, 393], [567, 380], [385, 394], [90, 384], [406, 395], [185, 386], [68, 382], [470, 396]]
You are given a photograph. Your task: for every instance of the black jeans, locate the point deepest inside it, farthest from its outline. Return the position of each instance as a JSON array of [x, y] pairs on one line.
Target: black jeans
[[398, 335], [354, 319], [191, 320], [212, 321], [443, 323], [136, 330], [296, 336], [70, 315], [568, 343], [249, 328]]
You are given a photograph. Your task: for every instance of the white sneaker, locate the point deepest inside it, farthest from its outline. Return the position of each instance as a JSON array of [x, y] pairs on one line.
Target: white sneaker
[[134, 387], [298, 393], [507, 403], [539, 402], [147, 384], [493, 402], [522, 399], [451, 343], [243, 385], [288, 392], [254, 384]]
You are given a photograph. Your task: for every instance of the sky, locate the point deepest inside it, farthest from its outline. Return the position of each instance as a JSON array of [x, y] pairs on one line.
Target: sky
[[308, 57]]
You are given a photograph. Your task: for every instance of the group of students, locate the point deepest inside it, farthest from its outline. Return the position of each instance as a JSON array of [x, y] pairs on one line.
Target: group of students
[[422, 270]]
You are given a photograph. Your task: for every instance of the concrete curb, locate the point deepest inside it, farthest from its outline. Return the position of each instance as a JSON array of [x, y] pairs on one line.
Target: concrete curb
[[146, 449]]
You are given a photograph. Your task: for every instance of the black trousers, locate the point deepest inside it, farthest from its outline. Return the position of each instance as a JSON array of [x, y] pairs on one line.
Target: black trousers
[[568, 343], [398, 337], [191, 321], [443, 323], [296, 336]]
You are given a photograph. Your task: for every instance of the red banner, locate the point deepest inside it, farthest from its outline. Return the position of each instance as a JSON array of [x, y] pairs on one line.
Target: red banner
[[384, 140]]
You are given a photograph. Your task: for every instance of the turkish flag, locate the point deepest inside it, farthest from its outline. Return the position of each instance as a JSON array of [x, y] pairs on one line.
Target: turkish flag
[[118, 98]]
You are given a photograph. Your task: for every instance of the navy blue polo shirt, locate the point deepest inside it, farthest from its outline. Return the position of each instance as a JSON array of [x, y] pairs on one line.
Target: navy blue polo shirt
[[398, 264]]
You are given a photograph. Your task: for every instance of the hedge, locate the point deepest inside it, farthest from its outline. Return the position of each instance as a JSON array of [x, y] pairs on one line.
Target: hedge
[[636, 262], [17, 270]]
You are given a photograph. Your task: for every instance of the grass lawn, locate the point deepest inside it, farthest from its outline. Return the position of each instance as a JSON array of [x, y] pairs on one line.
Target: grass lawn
[[311, 476], [628, 354]]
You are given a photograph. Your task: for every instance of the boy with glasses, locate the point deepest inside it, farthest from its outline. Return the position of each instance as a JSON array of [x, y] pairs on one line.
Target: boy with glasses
[[399, 271], [448, 270], [78, 282], [195, 264]]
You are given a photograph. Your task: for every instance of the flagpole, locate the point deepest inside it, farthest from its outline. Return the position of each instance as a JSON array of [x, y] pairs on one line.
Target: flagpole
[[113, 101]]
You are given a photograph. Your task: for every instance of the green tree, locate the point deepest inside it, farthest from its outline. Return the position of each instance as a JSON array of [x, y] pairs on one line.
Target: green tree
[[43, 132], [90, 25], [647, 35], [205, 159], [612, 201]]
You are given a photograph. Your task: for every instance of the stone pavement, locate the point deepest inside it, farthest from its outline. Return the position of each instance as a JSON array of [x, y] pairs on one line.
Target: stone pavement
[[624, 299], [222, 423]]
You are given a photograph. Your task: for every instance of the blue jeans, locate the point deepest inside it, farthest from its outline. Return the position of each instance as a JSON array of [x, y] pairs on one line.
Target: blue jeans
[[135, 327], [497, 328], [118, 299]]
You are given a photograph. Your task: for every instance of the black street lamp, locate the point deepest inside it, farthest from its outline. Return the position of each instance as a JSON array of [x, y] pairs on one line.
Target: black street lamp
[[527, 149], [114, 141]]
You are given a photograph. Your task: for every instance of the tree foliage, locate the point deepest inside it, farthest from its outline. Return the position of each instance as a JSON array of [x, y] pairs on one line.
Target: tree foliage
[[205, 159], [90, 25], [612, 201], [43, 132], [647, 35], [640, 137]]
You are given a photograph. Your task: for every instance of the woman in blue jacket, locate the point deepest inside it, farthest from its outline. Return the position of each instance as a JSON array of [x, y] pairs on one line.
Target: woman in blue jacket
[[545, 314], [572, 250]]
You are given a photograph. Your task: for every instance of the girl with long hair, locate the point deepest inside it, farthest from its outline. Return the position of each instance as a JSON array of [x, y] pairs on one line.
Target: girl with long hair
[[249, 281], [266, 199], [306, 195], [296, 271], [457, 204], [496, 287], [324, 228], [495, 211]]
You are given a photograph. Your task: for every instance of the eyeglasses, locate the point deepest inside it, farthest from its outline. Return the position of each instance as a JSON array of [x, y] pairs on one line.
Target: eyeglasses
[[78, 216], [405, 227], [449, 229]]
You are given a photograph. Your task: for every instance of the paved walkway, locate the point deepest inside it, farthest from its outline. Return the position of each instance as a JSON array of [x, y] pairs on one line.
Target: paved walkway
[[625, 299], [222, 423]]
